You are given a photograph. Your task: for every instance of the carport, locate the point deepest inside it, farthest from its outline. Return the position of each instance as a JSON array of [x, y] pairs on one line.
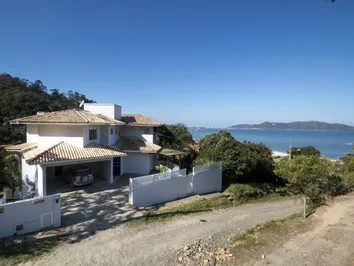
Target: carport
[[57, 181], [49, 165]]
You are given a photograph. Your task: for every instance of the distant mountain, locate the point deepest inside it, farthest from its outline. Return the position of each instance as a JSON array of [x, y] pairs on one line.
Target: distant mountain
[[302, 125]]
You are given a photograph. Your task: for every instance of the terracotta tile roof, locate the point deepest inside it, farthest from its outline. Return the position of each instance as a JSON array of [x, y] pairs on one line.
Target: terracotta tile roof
[[139, 120], [71, 116], [134, 144], [21, 147], [64, 151]]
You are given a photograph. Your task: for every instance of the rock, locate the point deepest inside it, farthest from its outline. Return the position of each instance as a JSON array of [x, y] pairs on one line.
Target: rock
[[238, 229], [263, 256], [200, 249], [187, 248], [180, 258], [212, 262]]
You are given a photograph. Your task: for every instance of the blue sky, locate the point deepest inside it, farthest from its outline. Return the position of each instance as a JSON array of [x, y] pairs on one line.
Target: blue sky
[[203, 63]]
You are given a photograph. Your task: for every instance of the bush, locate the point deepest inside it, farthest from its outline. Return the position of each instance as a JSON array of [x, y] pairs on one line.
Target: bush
[[245, 192], [241, 162], [312, 176], [307, 151]]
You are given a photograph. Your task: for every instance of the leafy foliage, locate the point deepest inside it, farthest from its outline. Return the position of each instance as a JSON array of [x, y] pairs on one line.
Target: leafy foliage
[[174, 136], [347, 171], [10, 173], [20, 97], [246, 192], [179, 138], [241, 162], [307, 151], [312, 176]]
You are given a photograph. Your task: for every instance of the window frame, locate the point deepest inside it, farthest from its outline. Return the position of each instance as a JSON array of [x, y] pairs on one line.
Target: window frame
[[92, 134]]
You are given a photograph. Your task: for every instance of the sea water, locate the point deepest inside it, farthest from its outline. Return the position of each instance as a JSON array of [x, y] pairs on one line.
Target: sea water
[[332, 144]]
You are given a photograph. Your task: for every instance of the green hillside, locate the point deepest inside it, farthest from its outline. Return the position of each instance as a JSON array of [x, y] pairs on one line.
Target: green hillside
[[21, 97]]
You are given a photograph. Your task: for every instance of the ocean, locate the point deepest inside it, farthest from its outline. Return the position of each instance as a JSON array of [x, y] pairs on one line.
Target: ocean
[[332, 144]]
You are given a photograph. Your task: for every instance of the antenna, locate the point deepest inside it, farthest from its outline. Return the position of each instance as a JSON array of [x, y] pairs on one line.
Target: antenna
[[82, 103]]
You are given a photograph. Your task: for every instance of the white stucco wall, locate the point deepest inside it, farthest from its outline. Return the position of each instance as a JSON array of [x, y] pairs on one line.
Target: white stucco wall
[[86, 130], [29, 170], [111, 110], [30, 215], [52, 134], [112, 138], [32, 133], [102, 169], [42, 180], [139, 163], [162, 187], [146, 133]]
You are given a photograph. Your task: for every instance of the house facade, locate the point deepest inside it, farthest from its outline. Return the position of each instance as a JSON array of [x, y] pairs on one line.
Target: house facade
[[99, 137]]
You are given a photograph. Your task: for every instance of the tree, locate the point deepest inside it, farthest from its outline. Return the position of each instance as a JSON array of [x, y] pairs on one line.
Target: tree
[[174, 136], [312, 176], [307, 151], [3, 154], [20, 97], [10, 175], [241, 162]]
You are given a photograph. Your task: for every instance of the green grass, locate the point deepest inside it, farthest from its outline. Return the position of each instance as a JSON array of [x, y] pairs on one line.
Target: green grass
[[23, 252], [241, 193], [190, 208]]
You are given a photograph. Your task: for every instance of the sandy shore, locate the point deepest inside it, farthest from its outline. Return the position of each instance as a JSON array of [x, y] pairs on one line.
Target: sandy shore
[[279, 154]]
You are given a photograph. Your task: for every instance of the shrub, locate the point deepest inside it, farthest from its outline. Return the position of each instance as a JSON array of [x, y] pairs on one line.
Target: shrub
[[312, 176], [241, 162], [245, 192], [307, 151]]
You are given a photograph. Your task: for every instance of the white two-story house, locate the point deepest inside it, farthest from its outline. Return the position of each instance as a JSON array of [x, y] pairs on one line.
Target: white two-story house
[[99, 136]]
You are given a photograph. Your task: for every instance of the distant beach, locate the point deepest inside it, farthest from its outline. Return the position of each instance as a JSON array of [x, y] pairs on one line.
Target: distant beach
[[279, 154]]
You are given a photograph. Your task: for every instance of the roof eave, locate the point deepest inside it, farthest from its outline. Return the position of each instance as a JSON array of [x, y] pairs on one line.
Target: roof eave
[[75, 160], [136, 151], [143, 125], [64, 123]]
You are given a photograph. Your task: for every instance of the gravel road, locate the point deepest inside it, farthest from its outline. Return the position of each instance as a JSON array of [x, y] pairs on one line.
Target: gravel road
[[330, 243], [156, 244]]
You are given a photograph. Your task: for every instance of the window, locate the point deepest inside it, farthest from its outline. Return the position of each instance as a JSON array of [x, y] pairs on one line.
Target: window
[[19, 227], [92, 134], [116, 131], [111, 131]]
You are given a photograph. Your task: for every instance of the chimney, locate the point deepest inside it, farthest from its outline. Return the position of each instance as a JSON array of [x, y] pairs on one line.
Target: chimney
[[111, 110]]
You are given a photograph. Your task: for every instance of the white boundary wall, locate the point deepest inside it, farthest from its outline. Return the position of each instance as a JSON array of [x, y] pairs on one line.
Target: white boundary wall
[[153, 189], [30, 215]]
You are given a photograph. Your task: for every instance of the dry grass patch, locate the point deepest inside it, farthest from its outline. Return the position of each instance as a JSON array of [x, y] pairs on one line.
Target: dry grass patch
[[249, 247]]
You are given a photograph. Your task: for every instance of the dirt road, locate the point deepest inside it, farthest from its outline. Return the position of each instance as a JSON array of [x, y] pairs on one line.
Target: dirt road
[[157, 244], [330, 243]]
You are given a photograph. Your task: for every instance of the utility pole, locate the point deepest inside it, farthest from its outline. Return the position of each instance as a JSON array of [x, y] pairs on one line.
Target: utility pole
[[290, 150]]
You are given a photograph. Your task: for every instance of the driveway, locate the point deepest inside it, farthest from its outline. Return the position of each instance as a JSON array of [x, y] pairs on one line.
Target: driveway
[[97, 207], [156, 244]]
